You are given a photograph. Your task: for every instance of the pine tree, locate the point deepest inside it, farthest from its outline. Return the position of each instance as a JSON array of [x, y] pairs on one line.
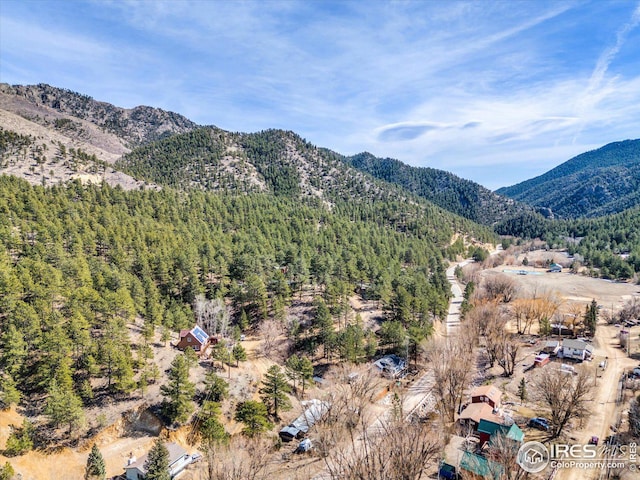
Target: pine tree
[[211, 430], [95, 469], [178, 391], [274, 391], [216, 388], [522, 390], [299, 369], [157, 464], [9, 393], [305, 372], [7, 472], [243, 322], [324, 324], [20, 440], [292, 369], [591, 317], [64, 407], [254, 416], [165, 335], [545, 326], [13, 350], [239, 353]]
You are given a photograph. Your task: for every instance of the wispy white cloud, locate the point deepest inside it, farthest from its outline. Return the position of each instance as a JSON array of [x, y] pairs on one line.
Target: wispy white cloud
[[609, 53], [459, 85]]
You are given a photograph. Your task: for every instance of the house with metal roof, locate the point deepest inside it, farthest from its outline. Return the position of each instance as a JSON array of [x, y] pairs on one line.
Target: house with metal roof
[[480, 467], [314, 411], [555, 268], [195, 338], [178, 461], [487, 430]]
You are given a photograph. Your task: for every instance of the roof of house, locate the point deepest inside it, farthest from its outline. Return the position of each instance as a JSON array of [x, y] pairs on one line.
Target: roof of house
[[574, 344], [391, 363], [314, 411], [481, 466], [515, 433], [198, 333], [552, 343], [490, 391], [176, 452], [512, 432], [479, 411]]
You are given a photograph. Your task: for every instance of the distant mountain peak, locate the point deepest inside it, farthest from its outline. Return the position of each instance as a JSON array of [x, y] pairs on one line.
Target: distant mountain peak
[[594, 183]]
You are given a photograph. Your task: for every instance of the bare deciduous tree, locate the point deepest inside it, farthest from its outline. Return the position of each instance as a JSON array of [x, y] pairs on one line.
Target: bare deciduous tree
[[451, 360], [211, 315], [243, 459], [354, 391], [540, 306], [575, 317], [504, 453], [630, 310], [471, 273], [394, 451], [499, 288], [567, 396], [508, 348], [270, 331], [491, 323]]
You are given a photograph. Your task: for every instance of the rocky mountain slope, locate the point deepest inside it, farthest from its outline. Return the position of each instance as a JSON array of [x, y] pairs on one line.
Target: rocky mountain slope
[[50, 135]]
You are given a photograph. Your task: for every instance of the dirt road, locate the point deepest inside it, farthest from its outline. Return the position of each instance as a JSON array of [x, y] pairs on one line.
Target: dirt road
[[604, 408], [453, 316]]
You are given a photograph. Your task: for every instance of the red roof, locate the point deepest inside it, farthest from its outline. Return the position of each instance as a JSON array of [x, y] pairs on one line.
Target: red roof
[[183, 333]]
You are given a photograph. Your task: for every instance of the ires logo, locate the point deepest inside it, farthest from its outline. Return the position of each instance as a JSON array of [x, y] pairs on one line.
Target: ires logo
[[559, 451], [533, 457]]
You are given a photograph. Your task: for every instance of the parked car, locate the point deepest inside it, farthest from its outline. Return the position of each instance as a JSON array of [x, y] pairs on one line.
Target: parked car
[[539, 423], [594, 440]]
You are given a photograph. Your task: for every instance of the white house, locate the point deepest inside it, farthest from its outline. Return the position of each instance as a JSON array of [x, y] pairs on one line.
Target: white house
[[178, 460], [576, 350]]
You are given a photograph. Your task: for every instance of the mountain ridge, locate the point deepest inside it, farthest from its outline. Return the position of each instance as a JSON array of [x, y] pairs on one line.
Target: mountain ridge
[[458, 195], [595, 183]]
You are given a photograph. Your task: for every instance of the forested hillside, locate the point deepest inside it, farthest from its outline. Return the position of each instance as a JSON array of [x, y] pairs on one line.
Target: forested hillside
[[274, 161], [600, 182], [79, 263], [450, 192]]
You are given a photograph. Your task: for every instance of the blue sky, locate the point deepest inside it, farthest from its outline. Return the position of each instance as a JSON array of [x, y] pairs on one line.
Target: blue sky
[[494, 91]]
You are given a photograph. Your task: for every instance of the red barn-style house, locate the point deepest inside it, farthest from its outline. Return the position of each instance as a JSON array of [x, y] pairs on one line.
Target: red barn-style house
[[195, 338]]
